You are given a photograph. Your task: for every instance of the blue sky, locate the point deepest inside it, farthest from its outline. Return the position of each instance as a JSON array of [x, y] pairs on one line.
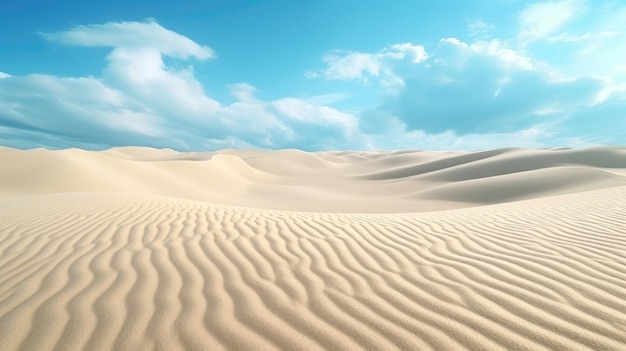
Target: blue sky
[[312, 74]]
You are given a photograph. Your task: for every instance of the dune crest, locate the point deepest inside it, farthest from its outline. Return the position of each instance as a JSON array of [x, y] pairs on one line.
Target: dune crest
[[347, 182]]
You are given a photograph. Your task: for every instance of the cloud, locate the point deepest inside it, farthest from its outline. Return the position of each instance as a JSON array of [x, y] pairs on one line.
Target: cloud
[[142, 74], [400, 138], [461, 95], [72, 109], [479, 28], [586, 37], [140, 100], [579, 38], [361, 66], [133, 35], [62, 112], [586, 32], [483, 88], [328, 99], [539, 20], [500, 88], [289, 122], [603, 124], [353, 65]]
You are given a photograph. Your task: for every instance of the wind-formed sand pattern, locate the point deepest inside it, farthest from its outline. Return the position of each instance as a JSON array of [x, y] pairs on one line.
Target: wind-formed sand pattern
[[140, 249]]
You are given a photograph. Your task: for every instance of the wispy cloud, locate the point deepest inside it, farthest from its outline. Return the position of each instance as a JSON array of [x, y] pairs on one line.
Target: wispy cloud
[[479, 28], [586, 38], [578, 38], [133, 35], [346, 65], [540, 20]]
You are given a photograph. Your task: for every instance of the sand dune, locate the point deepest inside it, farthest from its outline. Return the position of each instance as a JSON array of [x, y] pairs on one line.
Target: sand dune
[[347, 182], [136, 249]]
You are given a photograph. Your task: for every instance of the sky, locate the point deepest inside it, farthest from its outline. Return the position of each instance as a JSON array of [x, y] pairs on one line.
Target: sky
[[312, 74]]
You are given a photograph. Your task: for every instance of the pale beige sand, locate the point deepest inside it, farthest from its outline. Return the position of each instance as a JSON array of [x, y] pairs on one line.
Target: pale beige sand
[[343, 182], [139, 249]]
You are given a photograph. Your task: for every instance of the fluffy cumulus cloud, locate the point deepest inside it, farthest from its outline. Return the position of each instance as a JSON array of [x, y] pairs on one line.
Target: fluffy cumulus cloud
[[490, 92], [483, 88], [139, 100]]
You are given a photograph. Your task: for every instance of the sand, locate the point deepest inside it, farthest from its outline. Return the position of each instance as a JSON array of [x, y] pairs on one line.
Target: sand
[[141, 249]]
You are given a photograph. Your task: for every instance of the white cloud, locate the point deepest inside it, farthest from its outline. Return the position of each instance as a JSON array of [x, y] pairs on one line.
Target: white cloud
[[539, 20], [135, 65], [362, 66], [586, 37], [300, 110], [507, 56], [479, 28], [353, 65], [416, 53], [327, 99], [140, 100], [483, 88], [496, 88], [69, 112], [133, 35], [461, 95], [579, 37], [387, 66], [243, 92], [141, 73], [79, 109], [533, 137]]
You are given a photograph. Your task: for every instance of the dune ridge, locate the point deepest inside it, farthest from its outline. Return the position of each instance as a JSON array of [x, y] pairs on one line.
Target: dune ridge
[[119, 262], [379, 182]]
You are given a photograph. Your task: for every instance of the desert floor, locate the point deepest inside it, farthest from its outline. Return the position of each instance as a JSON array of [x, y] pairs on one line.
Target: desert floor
[[141, 249]]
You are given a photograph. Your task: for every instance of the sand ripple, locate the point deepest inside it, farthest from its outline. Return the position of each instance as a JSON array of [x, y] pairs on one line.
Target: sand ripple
[[106, 271]]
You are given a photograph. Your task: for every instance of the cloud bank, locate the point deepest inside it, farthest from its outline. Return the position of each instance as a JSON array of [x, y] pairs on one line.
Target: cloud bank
[[455, 95], [139, 100]]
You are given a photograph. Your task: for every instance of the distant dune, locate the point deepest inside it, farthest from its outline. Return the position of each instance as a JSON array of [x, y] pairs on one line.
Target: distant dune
[[293, 180], [141, 249]]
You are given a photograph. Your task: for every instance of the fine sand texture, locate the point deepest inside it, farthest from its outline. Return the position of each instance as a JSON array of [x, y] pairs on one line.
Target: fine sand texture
[[146, 249]]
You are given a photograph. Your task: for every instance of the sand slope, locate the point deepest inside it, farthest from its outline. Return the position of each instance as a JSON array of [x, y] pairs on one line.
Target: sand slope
[[391, 182], [114, 251]]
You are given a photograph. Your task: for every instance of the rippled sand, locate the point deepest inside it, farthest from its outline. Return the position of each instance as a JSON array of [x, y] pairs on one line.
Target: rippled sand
[[134, 248]]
